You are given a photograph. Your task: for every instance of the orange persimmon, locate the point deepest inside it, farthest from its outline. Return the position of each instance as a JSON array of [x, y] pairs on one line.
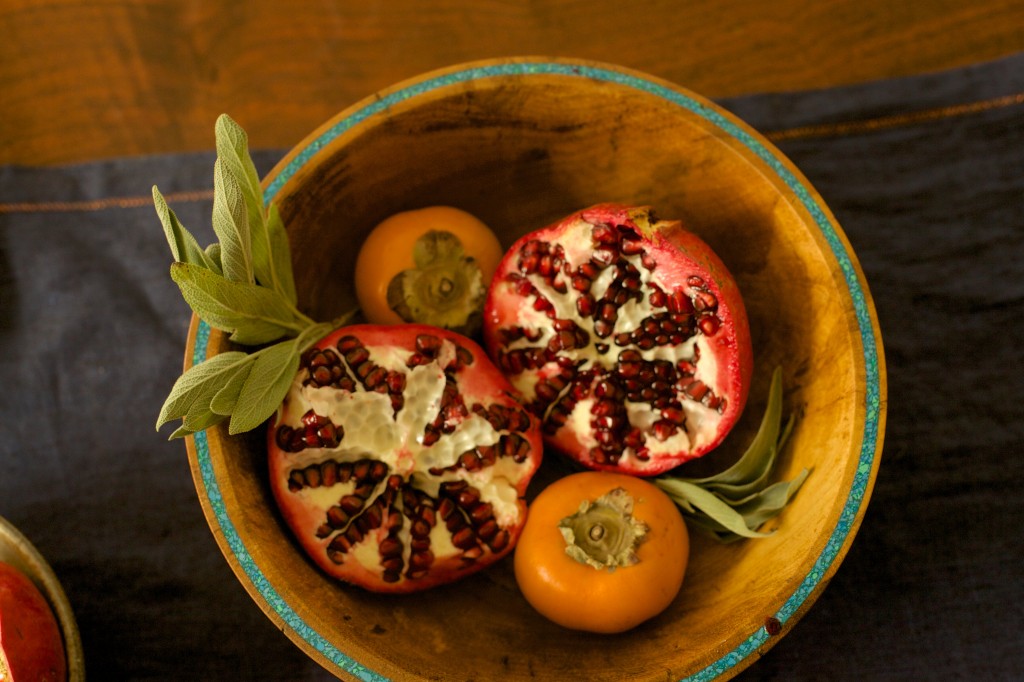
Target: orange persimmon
[[430, 265], [601, 552]]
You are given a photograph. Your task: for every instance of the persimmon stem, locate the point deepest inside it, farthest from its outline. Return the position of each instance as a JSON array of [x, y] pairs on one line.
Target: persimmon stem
[[603, 533]]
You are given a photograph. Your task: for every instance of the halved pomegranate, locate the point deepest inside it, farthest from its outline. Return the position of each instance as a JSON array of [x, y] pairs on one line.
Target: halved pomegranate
[[625, 334], [400, 457]]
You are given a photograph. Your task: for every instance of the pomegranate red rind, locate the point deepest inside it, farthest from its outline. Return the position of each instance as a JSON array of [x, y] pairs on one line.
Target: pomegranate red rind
[[400, 457], [31, 646], [625, 334]]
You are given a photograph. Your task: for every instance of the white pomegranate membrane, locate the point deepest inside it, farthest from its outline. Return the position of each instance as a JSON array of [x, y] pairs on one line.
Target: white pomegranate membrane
[[625, 335], [399, 457]]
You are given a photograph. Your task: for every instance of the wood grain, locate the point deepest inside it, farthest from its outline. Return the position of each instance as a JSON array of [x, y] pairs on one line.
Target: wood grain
[[84, 80]]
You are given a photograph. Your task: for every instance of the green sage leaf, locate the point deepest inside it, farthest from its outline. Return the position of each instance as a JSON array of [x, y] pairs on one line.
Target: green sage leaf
[[233, 150], [181, 432], [200, 417], [225, 400], [266, 386], [243, 285], [271, 256], [252, 314], [756, 459], [199, 384], [734, 503], [235, 162], [769, 503], [184, 246], [280, 255], [230, 223], [711, 505], [213, 254]]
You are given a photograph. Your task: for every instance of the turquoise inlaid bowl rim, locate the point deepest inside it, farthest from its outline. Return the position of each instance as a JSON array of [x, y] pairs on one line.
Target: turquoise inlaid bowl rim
[[869, 336]]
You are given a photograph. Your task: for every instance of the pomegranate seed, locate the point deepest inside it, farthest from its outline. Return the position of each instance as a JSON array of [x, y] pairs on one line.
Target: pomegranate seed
[[487, 455], [309, 437], [663, 429], [585, 305], [328, 435], [605, 234], [603, 408], [372, 518], [487, 530], [337, 517], [322, 375], [709, 325], [678, 302], [500, 541], [446, 508], [674, 415], [524, 288], [589, 270], [420, 560], [695, 390], [481, 513], [284, 437], [632, 245], [634, 439], [428, 344], [468, 497], [704, 300], [357, 356], [464, 538], [419, 529], [350, 504], [603, 257], [329, 472], [470, 461]]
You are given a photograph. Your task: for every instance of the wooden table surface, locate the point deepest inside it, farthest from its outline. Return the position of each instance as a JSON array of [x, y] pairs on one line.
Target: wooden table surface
[[88, 80]]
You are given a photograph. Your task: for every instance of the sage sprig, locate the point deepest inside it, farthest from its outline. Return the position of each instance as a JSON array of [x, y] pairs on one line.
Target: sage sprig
[[244, 286], [734, 503]]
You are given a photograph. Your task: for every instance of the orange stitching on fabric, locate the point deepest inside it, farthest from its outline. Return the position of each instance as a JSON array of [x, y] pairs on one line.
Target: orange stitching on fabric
[[101, 204], [894, 121], [802, 132]]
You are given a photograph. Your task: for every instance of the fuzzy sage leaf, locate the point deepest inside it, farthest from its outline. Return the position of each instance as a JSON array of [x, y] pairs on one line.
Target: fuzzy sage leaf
[[230, 224], [247, 387], [184, 246], [244, 286], [194, 389], [264, 228], [734, 503], [252, 314], [268, 382]]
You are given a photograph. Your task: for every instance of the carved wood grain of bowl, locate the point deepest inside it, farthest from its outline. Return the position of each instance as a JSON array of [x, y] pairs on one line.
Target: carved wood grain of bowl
[[520, 143]]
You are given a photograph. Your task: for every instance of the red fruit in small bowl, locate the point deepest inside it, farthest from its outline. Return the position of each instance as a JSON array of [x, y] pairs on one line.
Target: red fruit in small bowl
[[400, 457], [31, 647], [626, 334]]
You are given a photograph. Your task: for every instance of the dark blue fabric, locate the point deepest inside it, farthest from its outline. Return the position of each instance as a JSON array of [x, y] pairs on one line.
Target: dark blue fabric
[[92, 332]]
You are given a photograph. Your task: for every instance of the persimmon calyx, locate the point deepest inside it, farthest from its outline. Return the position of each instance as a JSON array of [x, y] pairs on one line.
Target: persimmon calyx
[[444, 289], [603, 533]]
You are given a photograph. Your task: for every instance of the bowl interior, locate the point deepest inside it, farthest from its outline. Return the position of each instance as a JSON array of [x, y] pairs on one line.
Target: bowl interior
[[519, 144]]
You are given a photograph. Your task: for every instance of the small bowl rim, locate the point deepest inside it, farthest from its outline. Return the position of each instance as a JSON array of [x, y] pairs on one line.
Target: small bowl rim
[[875, 384], [27, 558]]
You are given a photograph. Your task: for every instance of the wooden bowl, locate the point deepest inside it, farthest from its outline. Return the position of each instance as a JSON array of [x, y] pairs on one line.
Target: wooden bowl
[[520, 143], [18, 551]]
